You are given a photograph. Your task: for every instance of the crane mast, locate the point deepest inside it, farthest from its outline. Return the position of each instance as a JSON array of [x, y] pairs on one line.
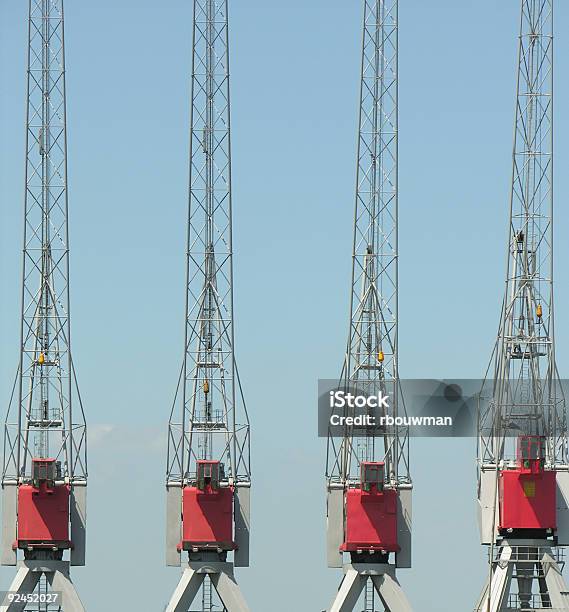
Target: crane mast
[[522, 426], [208, 436], [361, 463], [525, 385], [44, 473]]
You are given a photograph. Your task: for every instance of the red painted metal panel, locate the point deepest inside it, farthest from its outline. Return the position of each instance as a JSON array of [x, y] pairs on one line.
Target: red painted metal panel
[[43, 514], [207, 518], [371, 520], [527, 499]]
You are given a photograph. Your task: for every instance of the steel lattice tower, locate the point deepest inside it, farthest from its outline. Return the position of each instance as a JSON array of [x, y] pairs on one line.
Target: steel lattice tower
[[209, 425], [522, 426], [45, 431], [371, 363]]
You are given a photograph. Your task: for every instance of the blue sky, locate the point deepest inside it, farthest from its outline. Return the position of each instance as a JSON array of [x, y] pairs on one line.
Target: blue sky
[[294, 93]]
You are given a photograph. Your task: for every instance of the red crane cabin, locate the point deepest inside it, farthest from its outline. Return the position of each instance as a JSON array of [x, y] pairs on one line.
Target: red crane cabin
[[43, 509], [527, 492], [371, 513], [207, 511]]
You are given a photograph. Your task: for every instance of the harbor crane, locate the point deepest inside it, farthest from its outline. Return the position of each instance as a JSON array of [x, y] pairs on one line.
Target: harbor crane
[[44, 474], [368, 479], [208, 468], [523, 468]]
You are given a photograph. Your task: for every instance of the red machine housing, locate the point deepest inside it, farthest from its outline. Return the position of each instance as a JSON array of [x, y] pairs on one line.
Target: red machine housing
[[371, 513], [207, 511], [43, 509], [528, 492]]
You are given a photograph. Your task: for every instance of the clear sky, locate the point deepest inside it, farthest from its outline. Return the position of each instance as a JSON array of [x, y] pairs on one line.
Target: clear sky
[[295, 70]]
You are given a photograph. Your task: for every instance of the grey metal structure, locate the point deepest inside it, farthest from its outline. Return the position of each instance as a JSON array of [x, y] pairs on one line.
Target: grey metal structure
[[522, 395], [209, 420], [45, 418], [525, 562], [371, 362]]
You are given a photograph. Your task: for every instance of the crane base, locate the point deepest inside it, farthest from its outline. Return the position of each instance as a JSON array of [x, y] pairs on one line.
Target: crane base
[[57, 574], [384, 581], [530, 563], [223, 579]]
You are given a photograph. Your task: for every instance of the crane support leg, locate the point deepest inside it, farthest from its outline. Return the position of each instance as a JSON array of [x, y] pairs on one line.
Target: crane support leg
[[229, 592], [349, 592], [498, 584], [61, 582], [534, 564], [185, 592], [384, 581], [391, 593], [24, 582], [56, 573], [222, 578], [555, 584]]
